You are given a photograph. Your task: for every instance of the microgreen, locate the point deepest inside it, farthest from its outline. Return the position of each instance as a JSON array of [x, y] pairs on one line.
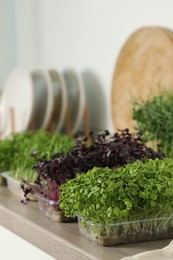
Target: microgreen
[[154, 119], [19, 152], [47, 190], [139, 190], [98, 150]]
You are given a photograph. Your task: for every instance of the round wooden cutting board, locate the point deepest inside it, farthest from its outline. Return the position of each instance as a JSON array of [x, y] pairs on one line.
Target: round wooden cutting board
[[144, 67]]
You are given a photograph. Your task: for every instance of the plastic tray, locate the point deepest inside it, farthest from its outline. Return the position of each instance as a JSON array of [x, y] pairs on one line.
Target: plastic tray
[[51, 209], [127, 232], [2, 180], [14, 186]]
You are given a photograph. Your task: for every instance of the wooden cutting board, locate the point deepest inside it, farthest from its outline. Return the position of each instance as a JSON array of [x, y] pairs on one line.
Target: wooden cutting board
[[144, 68]]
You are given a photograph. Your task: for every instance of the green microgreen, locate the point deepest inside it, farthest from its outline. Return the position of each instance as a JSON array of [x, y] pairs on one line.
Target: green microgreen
[[139, 190], [154, 119], [19, 152]]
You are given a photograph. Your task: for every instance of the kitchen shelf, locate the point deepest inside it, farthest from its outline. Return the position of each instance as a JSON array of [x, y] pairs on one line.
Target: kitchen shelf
[[60, 240]]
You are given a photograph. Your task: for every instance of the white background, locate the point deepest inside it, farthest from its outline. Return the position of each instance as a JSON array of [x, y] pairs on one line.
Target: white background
[[85, 34]]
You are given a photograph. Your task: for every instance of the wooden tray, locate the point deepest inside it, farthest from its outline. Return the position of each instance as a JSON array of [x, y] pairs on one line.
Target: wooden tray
[[144, 68]]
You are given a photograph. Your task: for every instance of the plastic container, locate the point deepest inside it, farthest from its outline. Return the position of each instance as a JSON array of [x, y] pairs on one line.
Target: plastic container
[[127, 232], [51, 209], [14, 186], [2, 180]]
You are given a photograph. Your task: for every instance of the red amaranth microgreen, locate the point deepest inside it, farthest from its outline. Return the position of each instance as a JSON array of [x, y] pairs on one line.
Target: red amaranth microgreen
[[98, 150], [48, 190]]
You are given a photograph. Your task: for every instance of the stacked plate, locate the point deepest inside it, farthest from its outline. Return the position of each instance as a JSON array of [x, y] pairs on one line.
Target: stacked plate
[[45, 99]]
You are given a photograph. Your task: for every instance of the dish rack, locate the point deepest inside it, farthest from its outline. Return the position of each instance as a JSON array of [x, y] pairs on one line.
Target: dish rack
[[44, 99], [68, 128]]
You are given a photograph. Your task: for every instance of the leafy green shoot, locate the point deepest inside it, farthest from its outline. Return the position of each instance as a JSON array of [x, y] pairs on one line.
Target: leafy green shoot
[[154, 119], [19, 152], [133, 192]]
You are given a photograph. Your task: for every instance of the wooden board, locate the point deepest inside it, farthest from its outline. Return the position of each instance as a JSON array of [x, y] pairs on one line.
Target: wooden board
[[144, 67]]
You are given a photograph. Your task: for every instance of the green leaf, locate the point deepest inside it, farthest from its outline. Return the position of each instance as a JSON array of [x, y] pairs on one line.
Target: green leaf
[[153, 196]]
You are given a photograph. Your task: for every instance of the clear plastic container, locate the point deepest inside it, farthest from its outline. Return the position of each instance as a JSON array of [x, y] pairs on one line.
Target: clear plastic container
[[2, 180], [127, 232], [14, 186], [51, 209]]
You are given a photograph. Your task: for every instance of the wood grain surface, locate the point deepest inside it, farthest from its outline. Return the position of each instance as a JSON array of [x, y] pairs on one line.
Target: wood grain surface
[[143, 69], [60, 240]]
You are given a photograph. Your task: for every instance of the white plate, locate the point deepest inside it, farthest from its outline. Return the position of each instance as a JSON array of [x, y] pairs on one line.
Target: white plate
[[43, 98], [18, 95], [76, 98], [96, 102], [60, 99]]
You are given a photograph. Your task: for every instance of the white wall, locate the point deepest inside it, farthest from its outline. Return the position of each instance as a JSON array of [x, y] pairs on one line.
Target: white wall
[[7, 39], [85, 34]]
